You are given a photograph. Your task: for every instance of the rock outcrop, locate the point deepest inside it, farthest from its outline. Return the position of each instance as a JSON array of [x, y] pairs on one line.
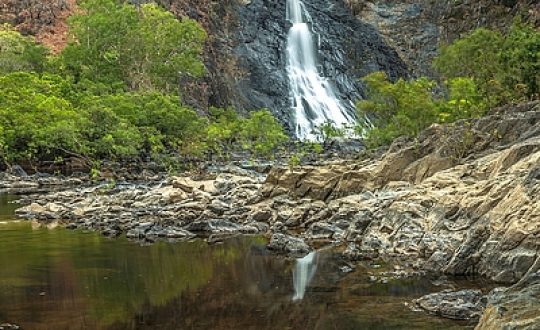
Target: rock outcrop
[[461, 305], [516, 307], [460, 200], [46, 19]]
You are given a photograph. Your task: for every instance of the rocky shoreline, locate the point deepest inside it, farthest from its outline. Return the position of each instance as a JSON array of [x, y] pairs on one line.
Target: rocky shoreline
[[460, 200]]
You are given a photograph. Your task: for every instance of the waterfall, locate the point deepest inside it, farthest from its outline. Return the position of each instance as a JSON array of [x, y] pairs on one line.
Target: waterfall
[[312, 96], [303, 273]]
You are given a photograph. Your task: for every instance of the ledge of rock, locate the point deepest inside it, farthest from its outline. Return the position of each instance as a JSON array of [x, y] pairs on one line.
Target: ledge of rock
[[460, 305]]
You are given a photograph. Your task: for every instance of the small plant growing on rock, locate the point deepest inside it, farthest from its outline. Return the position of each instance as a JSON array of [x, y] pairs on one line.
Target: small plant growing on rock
[[294, 161], [327, 131]]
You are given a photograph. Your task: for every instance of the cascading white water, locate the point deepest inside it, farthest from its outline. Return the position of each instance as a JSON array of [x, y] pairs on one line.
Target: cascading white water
[[303, 273], [313, 98]]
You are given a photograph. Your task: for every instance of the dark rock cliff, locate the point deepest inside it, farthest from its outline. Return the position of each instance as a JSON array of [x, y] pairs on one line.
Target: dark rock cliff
[[245, 54], [349, 49], [415, 29]]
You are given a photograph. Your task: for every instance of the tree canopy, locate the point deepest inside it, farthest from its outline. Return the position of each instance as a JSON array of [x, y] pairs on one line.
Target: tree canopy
[[112, 93], [480, 71]]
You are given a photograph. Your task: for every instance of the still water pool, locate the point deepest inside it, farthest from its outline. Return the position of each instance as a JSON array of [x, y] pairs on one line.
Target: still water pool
[[60, 279]]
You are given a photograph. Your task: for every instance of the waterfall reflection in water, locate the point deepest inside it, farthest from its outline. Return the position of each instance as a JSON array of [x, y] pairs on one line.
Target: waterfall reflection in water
[[60, 279], [303, 273]]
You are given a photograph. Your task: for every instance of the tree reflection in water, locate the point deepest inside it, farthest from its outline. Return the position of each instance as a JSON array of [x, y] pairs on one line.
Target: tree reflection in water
[[59, 279]]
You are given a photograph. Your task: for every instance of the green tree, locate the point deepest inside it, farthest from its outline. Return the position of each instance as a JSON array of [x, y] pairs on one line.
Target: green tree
[[262, 133], [113, 42], [20, 53], [98, 40], [464, 101], [223, 130], [161, 49], [475, 55], [521, 57], [107, 135], [37, 121], [328, 131], [403, 108], [504, 67], [154, 122]]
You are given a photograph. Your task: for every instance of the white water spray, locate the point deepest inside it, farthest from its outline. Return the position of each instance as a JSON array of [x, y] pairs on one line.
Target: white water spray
[[313, 97], [303, 273]]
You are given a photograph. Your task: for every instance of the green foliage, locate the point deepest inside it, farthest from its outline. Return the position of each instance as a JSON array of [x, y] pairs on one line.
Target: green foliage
[[36, 119], [405, 108], [223, 130], [39, 120], [108, 135], [262, 134], [473, 56], [400, 109], [111, 96], [464, 101], [294, 161], [20, 53], [521, 58], [165, 49], [328, 131], [114, 43], [128, 123], [484, 69], [99, 38], [505, 67]]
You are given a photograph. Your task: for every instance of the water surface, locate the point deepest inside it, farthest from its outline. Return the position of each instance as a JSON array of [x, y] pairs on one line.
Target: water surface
[[60, 279]]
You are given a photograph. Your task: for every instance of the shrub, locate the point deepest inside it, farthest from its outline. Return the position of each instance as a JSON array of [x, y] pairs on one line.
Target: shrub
[[36, 119], [20, 53], [398, 109], [154, 121], [521, 57], [148, 50], [262, 133], [405, 108], [464, 101], [108, 135], [223, 130], [328, 131], [505, 67]]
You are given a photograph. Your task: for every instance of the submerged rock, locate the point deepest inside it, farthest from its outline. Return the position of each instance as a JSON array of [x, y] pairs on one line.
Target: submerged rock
[[9, 326]]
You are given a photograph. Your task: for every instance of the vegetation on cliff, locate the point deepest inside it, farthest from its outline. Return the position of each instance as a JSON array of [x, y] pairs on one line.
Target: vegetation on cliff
[[482, 70], [112, 93]]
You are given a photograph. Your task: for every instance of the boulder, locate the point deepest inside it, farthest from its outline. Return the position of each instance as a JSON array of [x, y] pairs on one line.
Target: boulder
[[282, 243], [457, 305]]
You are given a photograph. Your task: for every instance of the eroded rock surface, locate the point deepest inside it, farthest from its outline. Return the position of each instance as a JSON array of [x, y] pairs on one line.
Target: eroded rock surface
[[460, 305]]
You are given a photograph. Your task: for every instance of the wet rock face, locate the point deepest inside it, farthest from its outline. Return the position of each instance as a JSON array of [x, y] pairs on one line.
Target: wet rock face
[[348, 49]]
